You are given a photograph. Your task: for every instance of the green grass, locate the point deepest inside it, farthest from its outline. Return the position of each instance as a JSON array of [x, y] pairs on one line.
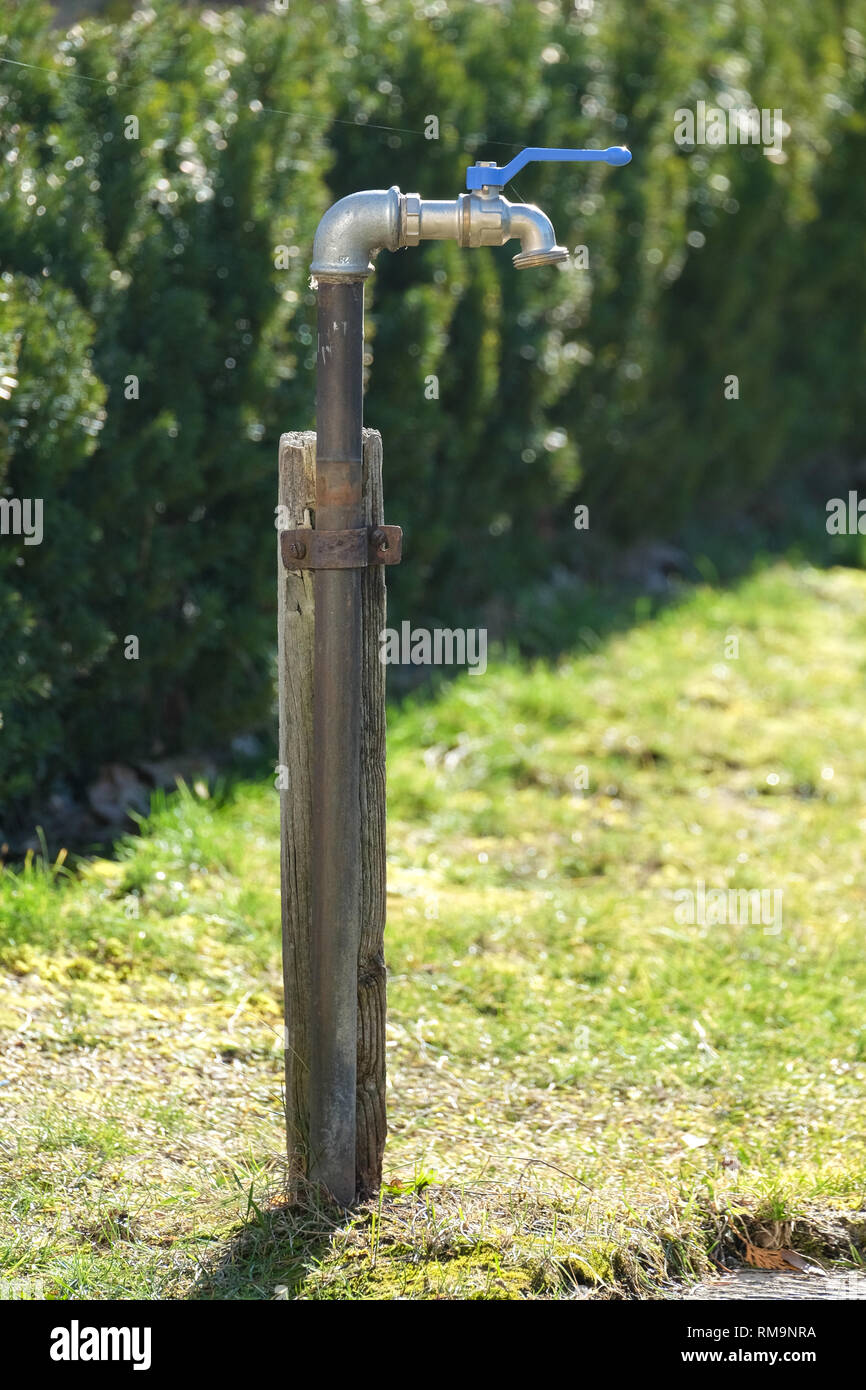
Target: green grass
[[587, 1093]]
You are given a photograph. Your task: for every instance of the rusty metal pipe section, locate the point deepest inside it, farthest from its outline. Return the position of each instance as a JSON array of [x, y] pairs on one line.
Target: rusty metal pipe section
[[336, 847]]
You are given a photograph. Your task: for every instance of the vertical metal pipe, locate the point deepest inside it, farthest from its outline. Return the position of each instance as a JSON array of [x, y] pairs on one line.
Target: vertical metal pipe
[[336, 862]]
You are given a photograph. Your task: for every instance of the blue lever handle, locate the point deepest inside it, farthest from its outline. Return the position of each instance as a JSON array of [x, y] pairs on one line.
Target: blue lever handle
[[479, 175]]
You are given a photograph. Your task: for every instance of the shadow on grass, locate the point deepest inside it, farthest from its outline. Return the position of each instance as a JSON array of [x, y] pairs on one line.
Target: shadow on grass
[[72, 831], [601, 592], [270, 1256], [602, 589]]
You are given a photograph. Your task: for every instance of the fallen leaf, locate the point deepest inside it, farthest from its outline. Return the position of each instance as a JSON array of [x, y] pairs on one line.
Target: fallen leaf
[[779, 1259]]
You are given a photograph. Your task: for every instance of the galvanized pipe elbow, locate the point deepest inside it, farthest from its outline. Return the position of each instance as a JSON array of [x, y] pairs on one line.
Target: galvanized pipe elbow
[[534, 230], [353, 230]]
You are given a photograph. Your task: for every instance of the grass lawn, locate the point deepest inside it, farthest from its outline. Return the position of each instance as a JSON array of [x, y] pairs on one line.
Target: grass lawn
[[590, 1094]]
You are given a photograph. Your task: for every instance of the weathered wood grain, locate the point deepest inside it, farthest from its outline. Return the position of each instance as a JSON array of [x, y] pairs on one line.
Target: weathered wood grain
[[297, 490]]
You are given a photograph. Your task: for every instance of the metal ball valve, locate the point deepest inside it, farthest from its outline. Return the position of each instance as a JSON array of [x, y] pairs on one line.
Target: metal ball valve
[[355, 229]]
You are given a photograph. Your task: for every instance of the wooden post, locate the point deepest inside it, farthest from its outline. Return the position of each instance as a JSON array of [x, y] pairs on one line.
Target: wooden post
[[297, 493]]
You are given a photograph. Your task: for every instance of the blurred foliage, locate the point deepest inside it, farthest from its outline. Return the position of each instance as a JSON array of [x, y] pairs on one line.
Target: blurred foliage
[[606, 385], [158, 351], [156, 257]]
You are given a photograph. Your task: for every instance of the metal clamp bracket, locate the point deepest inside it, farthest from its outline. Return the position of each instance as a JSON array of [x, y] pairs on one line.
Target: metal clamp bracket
[[309, 549]]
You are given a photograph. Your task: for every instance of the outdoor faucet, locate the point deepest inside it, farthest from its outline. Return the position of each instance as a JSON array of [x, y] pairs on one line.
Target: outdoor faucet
[[355, 229], [339, 548]]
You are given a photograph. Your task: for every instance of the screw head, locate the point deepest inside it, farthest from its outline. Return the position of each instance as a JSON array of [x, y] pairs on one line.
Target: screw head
[[379, 538], [297, 550]]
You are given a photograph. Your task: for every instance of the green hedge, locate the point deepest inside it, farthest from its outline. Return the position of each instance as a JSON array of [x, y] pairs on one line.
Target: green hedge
[[607, 385], [159, 347], [156, 258]]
